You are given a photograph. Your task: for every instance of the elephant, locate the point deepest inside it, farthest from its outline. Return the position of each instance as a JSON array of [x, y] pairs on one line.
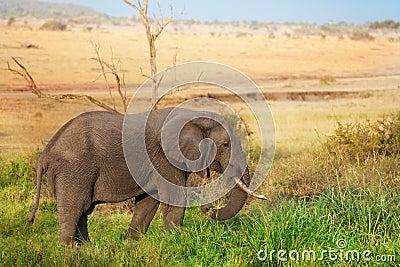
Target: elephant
[[84, 164]]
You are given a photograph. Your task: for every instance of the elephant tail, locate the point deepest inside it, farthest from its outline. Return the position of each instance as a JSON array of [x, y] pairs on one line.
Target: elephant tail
[[39, 176]]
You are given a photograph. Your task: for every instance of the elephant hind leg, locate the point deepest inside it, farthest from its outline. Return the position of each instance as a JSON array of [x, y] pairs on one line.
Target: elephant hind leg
[[81, 232], [72, 211], [68, 226], [73, 227]]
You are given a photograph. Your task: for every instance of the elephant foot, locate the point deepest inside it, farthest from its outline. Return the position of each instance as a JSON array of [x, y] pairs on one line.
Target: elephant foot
[[133, 234]]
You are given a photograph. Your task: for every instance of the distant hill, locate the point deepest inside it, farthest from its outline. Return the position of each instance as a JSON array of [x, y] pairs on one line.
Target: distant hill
[[34, 8]]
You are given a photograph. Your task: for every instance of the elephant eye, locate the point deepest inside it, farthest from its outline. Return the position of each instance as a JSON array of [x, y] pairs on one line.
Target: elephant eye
[[226, 144]]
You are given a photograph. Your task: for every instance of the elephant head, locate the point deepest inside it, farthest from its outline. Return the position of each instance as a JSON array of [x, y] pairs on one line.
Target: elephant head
[[207, 141]]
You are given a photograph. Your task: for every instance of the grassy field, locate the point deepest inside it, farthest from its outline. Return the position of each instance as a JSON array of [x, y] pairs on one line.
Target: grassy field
[[322, 190], [338, 192], [329, 202]]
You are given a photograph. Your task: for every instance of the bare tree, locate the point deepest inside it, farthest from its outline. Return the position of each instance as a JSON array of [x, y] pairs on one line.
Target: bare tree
[[152, 34]]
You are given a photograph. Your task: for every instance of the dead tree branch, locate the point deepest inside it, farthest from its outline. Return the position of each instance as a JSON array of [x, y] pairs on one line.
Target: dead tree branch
[[35, 90], [101, 62], [26, 75], [114, 71], [142, 9]]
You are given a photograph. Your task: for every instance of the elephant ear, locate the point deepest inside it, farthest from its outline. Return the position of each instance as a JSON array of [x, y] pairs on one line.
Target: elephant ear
[[188, 147]]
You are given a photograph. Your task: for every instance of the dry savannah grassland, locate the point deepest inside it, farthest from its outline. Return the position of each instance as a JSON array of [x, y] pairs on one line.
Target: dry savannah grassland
[[310, 82], [318, 191]]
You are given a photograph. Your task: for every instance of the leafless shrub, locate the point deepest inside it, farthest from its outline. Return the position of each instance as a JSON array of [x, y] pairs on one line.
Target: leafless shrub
[[53, 25], [361, 36], [113, 69], [326, 80]]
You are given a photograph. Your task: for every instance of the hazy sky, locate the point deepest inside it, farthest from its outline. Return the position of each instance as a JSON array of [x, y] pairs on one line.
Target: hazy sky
[[318, 11]]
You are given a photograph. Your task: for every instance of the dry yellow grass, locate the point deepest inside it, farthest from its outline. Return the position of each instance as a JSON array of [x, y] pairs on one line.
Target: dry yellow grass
[[63, 57], [62, 64]]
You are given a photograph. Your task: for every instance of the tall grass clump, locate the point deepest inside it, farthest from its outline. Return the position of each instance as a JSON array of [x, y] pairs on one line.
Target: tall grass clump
[[386, 24], [53, 25], [11, 173], [364, 155], [361, 36], [369, 139], [17, 176]]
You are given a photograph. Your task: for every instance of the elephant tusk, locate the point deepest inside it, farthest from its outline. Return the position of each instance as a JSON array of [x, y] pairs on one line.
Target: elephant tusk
[[248, 191]]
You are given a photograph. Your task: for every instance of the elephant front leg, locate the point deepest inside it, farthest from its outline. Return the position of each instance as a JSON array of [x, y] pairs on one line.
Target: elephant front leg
[[174, 201], [145, 209], [172, 216]]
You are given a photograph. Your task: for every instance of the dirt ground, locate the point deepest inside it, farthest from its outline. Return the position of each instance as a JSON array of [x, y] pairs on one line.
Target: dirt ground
[[309, 82]]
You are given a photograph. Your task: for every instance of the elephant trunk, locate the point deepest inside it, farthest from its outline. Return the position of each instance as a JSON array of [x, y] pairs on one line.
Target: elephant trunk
[[237, 199]]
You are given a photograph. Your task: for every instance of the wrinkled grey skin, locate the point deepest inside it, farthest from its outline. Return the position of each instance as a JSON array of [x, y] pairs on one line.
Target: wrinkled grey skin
[[85, 166]]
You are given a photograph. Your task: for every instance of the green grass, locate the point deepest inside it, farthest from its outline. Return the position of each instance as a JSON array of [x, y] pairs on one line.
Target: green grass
[[365, 220], [316, 199]]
